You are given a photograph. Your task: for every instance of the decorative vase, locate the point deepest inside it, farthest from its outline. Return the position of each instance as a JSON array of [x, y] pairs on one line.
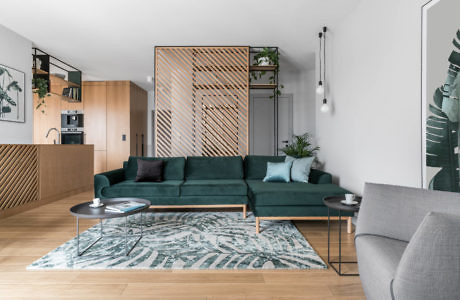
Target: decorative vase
[[263, 61]]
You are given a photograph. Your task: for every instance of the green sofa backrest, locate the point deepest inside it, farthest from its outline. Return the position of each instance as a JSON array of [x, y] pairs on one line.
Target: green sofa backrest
[[255, 166], [173, 169], [200, 167]]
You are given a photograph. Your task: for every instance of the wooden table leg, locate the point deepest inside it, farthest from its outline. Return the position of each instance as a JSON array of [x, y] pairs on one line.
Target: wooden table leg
[[244, 212], [257, 225], [349, 226]]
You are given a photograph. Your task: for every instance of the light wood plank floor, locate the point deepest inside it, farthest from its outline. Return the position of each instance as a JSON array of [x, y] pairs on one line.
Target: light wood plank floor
[[28, 236]]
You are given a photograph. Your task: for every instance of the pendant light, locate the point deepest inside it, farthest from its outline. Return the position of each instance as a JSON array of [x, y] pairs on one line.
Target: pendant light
[[320, 88], [324, 107]]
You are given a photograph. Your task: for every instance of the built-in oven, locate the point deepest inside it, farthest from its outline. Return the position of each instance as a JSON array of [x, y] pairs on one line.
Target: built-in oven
[[72, 136], [72, 119]]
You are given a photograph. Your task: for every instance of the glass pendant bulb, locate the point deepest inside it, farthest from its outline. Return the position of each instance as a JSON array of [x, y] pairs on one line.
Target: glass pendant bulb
[[325, 107], [320, 88]]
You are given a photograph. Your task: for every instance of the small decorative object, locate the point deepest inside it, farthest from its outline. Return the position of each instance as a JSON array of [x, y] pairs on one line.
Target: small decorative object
[[267, 57], [40, 86], [96, 203], [38, 63], [321, 89], [59, 75], [11, 94], [301, 147]]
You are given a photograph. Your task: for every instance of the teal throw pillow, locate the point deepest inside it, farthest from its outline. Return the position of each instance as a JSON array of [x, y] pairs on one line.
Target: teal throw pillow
[[300, 170], [278, 172]]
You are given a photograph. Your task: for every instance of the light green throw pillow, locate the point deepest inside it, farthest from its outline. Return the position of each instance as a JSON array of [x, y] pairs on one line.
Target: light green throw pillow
[[300, 169], [278, 172]]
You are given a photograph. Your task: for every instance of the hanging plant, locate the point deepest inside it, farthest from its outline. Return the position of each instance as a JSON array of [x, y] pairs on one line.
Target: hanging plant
[[40, 86], [267, 57]]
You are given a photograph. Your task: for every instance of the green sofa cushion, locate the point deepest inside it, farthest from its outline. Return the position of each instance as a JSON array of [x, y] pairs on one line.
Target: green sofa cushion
[[130, 188], [291, 193], [214, 187], [200, 167], [296, 211], [198, 200], [255, 166], [173, 168]]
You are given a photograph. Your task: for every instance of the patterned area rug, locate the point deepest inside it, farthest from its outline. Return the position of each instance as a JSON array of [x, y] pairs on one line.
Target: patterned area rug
[[196, 240]]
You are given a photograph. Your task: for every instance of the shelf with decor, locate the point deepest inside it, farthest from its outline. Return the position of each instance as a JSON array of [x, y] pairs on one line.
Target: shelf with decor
[[61, 78]]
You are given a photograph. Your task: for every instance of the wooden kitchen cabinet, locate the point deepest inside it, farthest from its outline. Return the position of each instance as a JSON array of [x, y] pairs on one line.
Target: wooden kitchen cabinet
[[115, 113]]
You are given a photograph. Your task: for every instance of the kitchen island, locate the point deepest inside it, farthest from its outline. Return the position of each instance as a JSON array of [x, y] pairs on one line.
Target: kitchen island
[[33, 175]]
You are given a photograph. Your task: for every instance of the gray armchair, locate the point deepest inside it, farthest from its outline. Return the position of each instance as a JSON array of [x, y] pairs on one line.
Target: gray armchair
[[408, 243]]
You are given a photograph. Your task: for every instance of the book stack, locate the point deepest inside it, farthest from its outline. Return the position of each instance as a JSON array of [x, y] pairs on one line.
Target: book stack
[[124, 207], [71, 92]]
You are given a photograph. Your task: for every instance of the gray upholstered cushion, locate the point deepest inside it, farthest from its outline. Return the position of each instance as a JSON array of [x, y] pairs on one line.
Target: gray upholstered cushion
[[378, 259], [430, 266], [396, 212]]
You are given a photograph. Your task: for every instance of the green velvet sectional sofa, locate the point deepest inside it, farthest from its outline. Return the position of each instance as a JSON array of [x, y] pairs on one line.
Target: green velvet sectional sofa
[[222, 182]]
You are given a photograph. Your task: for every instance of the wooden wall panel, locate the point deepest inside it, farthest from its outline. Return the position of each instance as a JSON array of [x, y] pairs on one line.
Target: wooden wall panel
[[118, 123], [95, 116], [18, 175], [51, 118], [201, 101]]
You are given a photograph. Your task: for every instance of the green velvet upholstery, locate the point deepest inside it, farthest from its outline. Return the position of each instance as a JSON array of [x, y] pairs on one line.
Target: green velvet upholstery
[[319, 177], [255, 166], [130, 188], [214, 187], [107, 179], [173, 168], [198, 200], [228, 167], [292, 193], [295, 211]]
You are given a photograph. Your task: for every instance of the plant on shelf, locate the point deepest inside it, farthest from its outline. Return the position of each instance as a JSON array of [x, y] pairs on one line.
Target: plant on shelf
[[267, 57], [6, 87], [41, 89], [300, 147]]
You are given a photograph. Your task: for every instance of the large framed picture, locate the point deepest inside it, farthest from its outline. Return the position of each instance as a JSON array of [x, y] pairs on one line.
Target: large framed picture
[[12, 87], [440, 95]]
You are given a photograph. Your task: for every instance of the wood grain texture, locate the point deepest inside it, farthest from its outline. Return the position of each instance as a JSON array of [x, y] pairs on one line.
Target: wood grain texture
[[95, 114], [118, 123], [46, 227], [51, 118]]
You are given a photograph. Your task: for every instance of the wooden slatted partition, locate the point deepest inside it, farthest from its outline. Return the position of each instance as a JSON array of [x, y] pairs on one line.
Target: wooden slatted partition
[[18, 175], [201, 101]]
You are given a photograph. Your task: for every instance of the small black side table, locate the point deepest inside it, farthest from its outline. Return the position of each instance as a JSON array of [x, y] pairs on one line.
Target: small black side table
[[83, 210], [334, 202]]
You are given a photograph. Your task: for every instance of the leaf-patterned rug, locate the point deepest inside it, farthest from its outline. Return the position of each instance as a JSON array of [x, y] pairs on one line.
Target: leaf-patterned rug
[[194, 240]]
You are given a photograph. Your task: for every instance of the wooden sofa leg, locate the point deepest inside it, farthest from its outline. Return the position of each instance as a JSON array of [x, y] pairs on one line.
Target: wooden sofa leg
[[349, 225], [257, 225], [244, 212]]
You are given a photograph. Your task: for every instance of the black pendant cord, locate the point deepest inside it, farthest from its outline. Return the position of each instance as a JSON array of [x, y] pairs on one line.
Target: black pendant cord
[[320, 50], [324, 61]]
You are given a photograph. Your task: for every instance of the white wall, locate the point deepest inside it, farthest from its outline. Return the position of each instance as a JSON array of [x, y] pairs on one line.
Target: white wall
[[373, 133], [16, 52]]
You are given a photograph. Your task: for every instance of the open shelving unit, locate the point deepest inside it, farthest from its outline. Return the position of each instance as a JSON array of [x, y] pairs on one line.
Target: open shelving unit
[[274, 86], [47, 67]]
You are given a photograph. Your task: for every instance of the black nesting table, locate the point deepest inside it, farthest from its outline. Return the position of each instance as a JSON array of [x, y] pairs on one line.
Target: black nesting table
[[334, 202], [83, 210]]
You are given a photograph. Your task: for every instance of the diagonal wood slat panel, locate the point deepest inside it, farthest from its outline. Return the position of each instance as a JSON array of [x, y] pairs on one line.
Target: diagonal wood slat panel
[[18, 175], [201, 101]]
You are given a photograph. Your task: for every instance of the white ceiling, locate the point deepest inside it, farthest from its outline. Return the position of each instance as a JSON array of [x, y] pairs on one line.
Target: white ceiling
[[114, 39]]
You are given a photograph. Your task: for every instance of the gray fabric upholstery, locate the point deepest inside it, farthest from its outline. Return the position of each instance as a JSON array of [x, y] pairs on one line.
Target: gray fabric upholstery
[[392, 217], [430, 266], [379, 258], [396, 212]]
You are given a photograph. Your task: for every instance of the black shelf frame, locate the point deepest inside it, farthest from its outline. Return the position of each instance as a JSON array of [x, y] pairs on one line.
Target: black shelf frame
[[47, 62], [255, 50]]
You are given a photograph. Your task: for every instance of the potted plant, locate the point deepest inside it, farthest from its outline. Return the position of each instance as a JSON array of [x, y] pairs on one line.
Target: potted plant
[[40, 87], [267, 57], [300, 147]]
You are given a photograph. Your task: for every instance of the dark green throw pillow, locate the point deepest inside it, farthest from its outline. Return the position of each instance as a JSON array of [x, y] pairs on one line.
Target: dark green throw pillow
[[149, 170]]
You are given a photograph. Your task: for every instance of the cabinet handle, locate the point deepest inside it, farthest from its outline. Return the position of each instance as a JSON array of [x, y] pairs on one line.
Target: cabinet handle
[[142, 149]]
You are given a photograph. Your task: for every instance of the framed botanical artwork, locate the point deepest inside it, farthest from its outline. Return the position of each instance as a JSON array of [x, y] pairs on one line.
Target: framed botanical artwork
[[440, 95], [12, 87]]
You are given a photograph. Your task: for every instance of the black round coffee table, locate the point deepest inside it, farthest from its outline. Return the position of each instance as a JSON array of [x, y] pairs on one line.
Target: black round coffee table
[[83, 210], [334, 202]]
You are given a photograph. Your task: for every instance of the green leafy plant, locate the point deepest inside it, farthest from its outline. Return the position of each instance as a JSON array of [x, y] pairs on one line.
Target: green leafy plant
[[7, 84], [442, 132], [41, 89], [300, 147], [273, 57]]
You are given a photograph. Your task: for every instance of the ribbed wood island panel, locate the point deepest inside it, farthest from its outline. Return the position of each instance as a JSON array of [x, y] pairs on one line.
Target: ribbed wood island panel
[[31, 175]]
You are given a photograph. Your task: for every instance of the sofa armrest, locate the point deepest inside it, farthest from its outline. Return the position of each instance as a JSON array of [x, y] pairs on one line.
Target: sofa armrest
[[107, 179], [429, 267], [320, 177]]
